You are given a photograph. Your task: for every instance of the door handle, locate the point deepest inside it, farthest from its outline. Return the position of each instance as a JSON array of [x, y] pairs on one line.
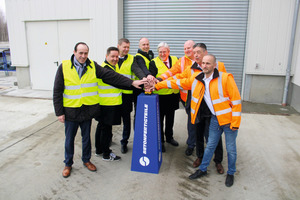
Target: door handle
[[56, 63]]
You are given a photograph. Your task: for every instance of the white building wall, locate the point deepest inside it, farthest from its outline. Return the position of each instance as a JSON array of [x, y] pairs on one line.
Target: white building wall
[[269, 31], [267, 50], [296, 55], [105, 28], [296, 67]]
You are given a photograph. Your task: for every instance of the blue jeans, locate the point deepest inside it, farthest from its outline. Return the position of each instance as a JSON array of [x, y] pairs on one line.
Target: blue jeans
[[192, 131], [71, 128], [215, 132]]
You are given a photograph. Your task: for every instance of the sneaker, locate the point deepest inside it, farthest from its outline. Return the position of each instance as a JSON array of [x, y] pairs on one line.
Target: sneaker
[[111, 157]]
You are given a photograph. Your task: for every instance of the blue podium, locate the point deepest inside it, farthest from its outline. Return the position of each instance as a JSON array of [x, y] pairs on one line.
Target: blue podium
[[146, 152]]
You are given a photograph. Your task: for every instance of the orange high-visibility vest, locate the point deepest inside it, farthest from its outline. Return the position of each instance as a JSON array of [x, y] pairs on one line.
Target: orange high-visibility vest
[[189, 71], [224, 94], [183, 63]]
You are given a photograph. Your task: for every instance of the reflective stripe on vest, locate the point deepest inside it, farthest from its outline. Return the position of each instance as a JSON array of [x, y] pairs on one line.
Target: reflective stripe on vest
[[78, 92], [109, 95], [126, 71], [169, 72], [223, 99], [220, 89], [182, 64]]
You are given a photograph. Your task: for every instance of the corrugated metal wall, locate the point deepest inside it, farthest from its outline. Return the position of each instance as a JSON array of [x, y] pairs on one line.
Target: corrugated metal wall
[[220, 24]]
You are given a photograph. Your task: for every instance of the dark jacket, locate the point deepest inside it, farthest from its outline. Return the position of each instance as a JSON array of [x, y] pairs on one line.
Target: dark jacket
[[140, 61], [134, 67], [85, 112]]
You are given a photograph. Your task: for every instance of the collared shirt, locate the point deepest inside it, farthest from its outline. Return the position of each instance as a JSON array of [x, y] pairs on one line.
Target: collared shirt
[[79, 67], [167, 63], [121, 60], [199, 66], [207, 97]]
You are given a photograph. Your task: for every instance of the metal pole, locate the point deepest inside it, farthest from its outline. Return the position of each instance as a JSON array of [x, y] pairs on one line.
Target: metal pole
[[288, 69]]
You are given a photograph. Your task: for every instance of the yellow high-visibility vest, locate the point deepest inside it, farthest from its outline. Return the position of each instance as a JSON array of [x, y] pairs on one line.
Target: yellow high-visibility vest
[[126, 71], [162, 68], [79, 91], [109, 95]]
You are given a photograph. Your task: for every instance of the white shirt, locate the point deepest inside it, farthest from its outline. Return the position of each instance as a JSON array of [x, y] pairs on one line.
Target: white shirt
[[207, 98]]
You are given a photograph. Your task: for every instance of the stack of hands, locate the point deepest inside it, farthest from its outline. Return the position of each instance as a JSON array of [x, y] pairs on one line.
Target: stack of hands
[[149, 86], [149, 83]]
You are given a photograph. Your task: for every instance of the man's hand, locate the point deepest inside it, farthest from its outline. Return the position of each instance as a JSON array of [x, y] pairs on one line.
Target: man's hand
[[234, 128], [152, 80], [150, 77], [150, 88], [61, 118], [137, 83]]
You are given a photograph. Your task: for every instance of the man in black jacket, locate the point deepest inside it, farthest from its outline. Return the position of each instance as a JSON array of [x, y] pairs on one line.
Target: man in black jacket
[[143, 57], [76, 100], [129, 68]]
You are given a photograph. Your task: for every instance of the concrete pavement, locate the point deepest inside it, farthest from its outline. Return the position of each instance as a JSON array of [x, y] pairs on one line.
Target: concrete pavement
[[32, 153]]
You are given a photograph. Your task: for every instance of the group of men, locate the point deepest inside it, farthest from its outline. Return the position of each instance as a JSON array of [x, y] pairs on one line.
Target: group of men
[[84, 90]]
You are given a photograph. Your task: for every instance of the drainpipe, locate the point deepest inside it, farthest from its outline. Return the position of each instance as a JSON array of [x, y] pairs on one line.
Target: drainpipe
[[288, 69]]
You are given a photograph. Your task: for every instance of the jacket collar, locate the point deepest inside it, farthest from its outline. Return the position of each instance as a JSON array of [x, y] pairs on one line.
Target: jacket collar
[[107, 63], [200, 76], [148, 55], [196, 66], [88, 62]]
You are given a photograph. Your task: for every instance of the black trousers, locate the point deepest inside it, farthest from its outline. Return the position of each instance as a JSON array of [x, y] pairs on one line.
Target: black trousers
[[167, 106], [136, 93], [203, 132], [168, 132], [127, 100], [102, 138]]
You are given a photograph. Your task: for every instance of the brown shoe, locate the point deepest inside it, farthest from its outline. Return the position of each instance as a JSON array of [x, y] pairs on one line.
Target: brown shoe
[[220, 168], [90, 166], [66, 172], [197, 162]]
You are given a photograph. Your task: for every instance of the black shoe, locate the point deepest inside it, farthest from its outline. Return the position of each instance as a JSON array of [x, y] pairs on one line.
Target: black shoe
[[197, 174], [163, 148], [173, 142], [229, 180], [189, 151], [124, 148]]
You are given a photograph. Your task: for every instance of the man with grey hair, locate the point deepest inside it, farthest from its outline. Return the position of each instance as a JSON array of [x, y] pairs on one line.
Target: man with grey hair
[[168, 98], [183, 63]]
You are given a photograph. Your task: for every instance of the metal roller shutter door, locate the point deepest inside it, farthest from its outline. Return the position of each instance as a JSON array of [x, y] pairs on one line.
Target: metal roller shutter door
[[220, 24]]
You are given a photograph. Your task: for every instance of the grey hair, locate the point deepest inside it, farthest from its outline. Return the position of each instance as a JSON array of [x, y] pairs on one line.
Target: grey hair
[[162, 44]]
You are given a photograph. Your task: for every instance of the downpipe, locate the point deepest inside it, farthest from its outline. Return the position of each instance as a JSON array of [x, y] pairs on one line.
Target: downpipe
[[289, 66]]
